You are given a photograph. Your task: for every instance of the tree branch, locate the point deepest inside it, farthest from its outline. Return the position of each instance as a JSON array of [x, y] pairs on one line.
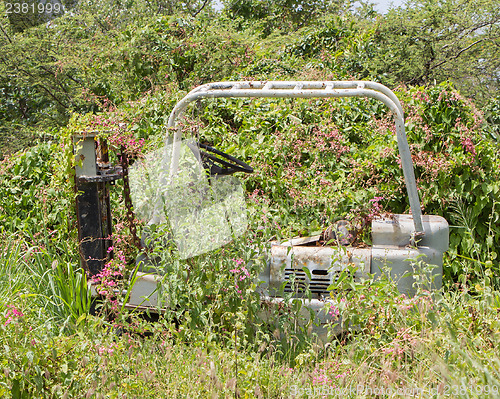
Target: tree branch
[[202, 7], [6, 35], [430, 68], [35, 83], [458, 54]]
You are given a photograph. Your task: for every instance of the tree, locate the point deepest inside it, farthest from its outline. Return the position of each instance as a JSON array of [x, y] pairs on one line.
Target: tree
[[103, 53], [436, 40]]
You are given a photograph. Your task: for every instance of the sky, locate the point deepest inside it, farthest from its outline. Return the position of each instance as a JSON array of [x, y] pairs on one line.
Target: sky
[[383, 5]]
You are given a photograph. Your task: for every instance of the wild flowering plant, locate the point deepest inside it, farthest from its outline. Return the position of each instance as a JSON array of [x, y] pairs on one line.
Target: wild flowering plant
[[240, 273], [376, 207], [12, 314], [114, 126], [110, 281], [329, 373]]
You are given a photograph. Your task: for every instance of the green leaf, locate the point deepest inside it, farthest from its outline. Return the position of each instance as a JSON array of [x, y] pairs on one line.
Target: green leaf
[[81, 318], [307, 272], [16, 390]]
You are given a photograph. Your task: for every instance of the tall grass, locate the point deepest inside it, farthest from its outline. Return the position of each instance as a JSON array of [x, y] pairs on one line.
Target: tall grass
[[46, 280], [59, 283], [12, 269], [438, 345]]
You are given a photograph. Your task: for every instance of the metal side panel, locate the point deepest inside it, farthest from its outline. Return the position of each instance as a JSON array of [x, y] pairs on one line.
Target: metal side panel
[[145, 290], [404, 262], [85, 156], [397, 230], [391, 236]]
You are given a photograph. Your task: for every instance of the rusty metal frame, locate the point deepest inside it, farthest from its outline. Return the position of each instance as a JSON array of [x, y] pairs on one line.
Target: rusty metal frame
[[304, 89]]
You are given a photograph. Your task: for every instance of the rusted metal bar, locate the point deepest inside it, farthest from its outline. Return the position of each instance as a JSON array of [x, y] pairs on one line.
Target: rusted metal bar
[[128, 201]]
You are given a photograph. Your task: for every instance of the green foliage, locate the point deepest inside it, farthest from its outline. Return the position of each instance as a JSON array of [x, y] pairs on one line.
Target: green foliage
[[102, 55], [107, 53], [11, 270], [431, 342], [393, 335], [492, 116], [300, 155], [284, 15], [62, 291], [31, 199], [204, 293], [326, 38], [186, 51], [317, 161]]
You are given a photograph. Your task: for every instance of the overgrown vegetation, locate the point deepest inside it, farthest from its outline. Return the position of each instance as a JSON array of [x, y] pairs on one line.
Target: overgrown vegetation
[[120, 68]]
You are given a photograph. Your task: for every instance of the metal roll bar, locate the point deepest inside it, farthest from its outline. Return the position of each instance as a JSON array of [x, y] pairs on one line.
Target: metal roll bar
[[306, 89]]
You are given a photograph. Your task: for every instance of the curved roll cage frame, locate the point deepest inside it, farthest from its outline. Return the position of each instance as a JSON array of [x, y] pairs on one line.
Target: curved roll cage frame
[[305, 89]]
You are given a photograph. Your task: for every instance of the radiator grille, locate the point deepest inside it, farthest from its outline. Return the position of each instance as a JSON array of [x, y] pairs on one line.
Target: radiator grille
[[320, 280]]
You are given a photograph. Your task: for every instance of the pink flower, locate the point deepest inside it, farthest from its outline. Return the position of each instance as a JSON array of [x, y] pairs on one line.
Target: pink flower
[[12, 313], [334, 311], [468, 145]]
